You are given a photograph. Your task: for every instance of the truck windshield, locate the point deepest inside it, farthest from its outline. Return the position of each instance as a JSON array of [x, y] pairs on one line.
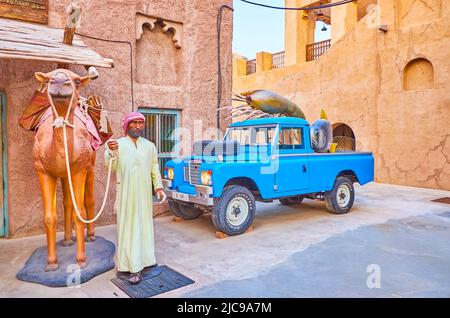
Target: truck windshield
[[251, 135]]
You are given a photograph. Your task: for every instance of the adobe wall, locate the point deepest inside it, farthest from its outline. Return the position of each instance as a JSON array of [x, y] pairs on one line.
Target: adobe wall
[[360, 82], [191, 86]]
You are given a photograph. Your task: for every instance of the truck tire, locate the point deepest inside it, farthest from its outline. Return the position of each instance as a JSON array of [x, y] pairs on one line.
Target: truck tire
[[234, 211], [340, 199], [291, 200], [185, 211]]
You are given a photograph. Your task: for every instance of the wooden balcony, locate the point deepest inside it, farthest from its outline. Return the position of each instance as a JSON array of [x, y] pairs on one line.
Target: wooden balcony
[[315, 50], [264, 62], [278, 60], [251, 66]]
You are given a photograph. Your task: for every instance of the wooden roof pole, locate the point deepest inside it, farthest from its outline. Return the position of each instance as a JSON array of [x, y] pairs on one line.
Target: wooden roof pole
[[74, 15]]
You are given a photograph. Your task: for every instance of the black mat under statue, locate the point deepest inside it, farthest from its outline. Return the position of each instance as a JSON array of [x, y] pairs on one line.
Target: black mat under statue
[[154, 281]]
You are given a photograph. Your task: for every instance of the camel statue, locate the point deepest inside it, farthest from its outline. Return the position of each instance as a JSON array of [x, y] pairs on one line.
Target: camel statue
[[63, 89]]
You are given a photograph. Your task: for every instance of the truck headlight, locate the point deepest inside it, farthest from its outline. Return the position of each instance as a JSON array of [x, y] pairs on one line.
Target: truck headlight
[[170, 173], [206, 177]]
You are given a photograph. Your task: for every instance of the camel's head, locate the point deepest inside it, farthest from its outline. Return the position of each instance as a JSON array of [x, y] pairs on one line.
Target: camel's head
[[63, 84]]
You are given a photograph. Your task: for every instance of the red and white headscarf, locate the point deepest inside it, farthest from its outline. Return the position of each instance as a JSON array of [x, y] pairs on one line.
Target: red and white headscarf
[[130, 117]]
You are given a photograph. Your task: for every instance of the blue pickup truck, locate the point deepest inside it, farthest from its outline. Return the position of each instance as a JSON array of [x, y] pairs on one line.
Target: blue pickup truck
[[261, 160]]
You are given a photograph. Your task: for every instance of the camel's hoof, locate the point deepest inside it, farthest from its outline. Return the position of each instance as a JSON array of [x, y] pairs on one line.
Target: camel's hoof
[[91, 238], [82, 264], [51, 267], [67, 243]]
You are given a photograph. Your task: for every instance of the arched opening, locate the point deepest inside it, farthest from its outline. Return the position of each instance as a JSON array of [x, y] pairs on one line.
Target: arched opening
[[344, 137], [418, 75]]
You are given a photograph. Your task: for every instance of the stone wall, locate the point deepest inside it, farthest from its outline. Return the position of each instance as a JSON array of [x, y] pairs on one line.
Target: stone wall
[[360, 82], [163, 76]]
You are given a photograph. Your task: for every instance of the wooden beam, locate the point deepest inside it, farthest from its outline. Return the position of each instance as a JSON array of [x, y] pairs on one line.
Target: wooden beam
[[62, 60], [73, 18], [19, 40]]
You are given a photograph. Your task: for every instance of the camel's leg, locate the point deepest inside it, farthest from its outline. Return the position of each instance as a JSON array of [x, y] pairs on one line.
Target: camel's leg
[[48, 189], [89, 201], [68, 209], [79, 182]]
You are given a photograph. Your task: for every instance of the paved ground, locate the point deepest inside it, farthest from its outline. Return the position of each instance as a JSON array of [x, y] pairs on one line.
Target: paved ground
[[396, 233], [411, 257]]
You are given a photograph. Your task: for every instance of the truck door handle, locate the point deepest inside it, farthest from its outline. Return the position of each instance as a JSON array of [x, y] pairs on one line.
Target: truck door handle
[[304, 168]]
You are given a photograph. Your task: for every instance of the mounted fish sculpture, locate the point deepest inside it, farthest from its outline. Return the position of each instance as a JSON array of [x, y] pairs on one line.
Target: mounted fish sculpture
[[263, 103], [321, 134]]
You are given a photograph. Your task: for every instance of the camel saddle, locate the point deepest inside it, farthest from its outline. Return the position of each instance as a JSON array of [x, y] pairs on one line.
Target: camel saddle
[[38, 110]]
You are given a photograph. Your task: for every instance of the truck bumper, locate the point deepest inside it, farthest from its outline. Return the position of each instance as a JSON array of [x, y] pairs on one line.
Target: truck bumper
[[202, 195]]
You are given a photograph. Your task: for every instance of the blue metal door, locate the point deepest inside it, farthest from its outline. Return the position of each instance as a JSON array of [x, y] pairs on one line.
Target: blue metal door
[[293, 165], [3, 172]]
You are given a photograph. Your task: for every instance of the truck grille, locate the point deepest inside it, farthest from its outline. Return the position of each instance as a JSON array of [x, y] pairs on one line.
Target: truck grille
[[194, 173], [186, 174]]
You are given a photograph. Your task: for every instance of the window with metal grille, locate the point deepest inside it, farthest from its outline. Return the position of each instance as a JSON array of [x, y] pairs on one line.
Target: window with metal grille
[[160, 128]]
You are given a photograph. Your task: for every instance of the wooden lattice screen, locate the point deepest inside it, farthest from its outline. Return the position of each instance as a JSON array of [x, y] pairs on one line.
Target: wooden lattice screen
[[315, 50]]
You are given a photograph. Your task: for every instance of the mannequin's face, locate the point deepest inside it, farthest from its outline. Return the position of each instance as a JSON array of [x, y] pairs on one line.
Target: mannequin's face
[[136, 128]]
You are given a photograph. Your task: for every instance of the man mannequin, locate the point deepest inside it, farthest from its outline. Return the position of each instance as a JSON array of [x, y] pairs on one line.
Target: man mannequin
[[136, 166]]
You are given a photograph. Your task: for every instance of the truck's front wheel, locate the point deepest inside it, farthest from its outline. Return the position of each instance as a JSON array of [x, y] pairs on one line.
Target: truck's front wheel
[[340, 199], [184, 211], [234, 211]]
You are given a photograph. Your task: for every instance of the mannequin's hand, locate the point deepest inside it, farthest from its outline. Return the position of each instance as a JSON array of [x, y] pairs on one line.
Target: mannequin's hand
[[161, 195], [112, 145]]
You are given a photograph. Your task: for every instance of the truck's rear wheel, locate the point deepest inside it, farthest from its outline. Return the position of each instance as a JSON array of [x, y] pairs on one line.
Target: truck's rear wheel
[[186, 211], [234, 211], [340, 199], [291, 200]]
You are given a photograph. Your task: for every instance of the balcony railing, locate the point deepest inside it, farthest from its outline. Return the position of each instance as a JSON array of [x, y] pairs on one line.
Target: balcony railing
[[315, 50], [278, 60], [251, 66]]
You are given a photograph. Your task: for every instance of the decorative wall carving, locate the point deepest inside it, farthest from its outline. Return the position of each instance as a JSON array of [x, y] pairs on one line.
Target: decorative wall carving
[[158, 61], [175, 28]]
